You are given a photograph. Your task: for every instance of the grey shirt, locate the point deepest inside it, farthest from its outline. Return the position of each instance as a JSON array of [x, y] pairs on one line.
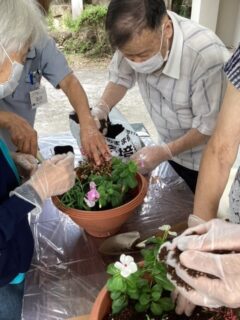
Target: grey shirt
[[43, 60], [189, 90]]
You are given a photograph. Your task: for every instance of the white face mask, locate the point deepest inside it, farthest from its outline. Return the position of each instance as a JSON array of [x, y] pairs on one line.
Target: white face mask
[[152, 64], [9, 86]]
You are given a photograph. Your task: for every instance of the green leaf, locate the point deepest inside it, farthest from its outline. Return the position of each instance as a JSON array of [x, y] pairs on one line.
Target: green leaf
[[132, 166], [124, 174], [166, 304], [144, 299], [156, 309], [116, 310], [111, 269], [141, 308], [115, 295], [142, 283], [119, 284], [116, 200], [148, 255], [157, 288], [116, 284], [156, 296], [133, 294], [132, 281], [132, 182], [164, 282], [120, 301]]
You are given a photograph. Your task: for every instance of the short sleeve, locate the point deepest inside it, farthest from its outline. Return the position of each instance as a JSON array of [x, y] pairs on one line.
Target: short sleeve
[[120, 71], [53, 63], [232, 69], [208, 89]]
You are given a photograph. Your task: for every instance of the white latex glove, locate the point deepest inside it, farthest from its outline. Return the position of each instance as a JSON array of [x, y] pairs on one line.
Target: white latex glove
[[54, 176], [194, 221], [211, 236], [183, 305], [148, 158], [26, 163], [100, 112]]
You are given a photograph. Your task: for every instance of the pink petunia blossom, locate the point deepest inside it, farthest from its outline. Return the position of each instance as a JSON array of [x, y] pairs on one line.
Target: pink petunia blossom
[[92, 196]]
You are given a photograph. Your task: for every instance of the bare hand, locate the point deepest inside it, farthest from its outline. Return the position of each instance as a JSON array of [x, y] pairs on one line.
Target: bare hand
[[23, 136], [93, 143]]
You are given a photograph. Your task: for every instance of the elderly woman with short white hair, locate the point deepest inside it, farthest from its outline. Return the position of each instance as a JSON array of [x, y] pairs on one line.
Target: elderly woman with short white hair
[[20, 27]]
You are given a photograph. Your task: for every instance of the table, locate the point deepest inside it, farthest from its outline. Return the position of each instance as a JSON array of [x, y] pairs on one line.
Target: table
[[68, 271]]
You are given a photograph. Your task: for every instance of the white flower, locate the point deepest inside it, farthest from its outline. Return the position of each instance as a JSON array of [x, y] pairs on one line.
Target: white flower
[[167, 227], [127, 266], [172, 233], [90, 203]]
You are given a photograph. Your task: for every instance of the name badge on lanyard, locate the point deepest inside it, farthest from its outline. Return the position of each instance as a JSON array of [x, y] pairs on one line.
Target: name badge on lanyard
[[38, 97]]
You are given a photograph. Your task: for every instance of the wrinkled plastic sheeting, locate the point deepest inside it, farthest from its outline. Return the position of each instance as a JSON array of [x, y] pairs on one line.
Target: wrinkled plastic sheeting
[[67, 270]]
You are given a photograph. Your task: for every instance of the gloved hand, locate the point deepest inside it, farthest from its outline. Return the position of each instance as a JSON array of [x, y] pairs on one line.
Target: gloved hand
[[211, 236], [148, 158], [100, 112], [194, 220], [183, 305], [26, 163], [54, 176]]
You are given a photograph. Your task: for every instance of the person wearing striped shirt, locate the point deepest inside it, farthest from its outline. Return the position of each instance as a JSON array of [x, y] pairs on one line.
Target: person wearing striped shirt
[[221, 152], [178, 66]]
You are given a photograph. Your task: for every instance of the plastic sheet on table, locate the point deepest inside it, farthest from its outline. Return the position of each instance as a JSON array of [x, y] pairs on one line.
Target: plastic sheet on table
[[67, 270]]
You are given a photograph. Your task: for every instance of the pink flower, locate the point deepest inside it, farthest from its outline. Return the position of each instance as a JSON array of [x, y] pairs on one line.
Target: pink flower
[[92, 195]]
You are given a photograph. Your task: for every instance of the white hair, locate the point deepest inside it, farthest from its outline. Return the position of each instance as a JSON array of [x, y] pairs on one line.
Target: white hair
[[21, 24]]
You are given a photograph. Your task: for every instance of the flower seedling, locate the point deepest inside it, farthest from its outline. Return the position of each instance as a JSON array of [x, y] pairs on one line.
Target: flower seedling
[[102, 187], [142, 286]]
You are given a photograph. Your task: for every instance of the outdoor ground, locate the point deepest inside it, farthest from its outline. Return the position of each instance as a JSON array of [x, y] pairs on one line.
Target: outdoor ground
[[93, 75]]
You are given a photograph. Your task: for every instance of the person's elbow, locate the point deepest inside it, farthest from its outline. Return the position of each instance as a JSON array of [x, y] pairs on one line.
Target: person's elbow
[[69, 83], [223, 151]]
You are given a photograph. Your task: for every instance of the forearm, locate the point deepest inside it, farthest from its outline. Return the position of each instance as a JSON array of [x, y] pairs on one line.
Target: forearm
[[113, 93], [215, 168], [219, 157], [77, 97], [5, 119], [191, 139]]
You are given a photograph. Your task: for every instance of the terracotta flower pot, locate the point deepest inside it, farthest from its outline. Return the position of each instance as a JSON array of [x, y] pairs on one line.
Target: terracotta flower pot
[[106, 222], [102, 305]]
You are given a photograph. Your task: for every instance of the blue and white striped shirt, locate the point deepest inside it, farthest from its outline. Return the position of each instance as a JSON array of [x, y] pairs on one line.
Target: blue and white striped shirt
[[232, 69]]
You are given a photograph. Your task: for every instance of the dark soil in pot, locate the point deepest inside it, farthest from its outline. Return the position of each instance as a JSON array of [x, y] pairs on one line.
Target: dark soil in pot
[[198, 314]]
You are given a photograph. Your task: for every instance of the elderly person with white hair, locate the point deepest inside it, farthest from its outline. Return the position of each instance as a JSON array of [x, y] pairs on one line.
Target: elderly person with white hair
[[21, 27], [41, 59]]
